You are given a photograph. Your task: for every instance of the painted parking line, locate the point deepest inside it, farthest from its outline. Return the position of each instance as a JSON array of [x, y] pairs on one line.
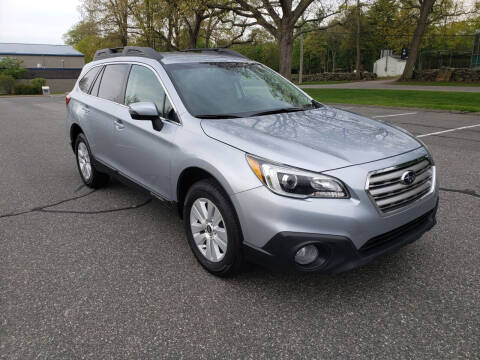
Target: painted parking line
[[385, 116], [449, 130]]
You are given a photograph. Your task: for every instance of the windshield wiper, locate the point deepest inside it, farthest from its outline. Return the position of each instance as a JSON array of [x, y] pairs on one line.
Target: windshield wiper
[[279, 111], [217, 116]]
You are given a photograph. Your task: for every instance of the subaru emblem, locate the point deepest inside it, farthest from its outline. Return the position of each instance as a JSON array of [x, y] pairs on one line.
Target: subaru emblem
[[408, 177]]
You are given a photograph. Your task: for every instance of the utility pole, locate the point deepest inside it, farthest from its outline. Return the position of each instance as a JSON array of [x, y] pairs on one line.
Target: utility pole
[[300, 70]]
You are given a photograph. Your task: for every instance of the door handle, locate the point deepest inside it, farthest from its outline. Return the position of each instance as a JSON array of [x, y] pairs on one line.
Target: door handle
[[119, 124]]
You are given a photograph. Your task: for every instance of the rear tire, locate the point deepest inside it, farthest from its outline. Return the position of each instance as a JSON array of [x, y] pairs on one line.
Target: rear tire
[[212, 229], [86, 166]]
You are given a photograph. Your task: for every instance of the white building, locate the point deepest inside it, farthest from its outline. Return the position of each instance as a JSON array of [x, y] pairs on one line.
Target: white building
[[389, 65]]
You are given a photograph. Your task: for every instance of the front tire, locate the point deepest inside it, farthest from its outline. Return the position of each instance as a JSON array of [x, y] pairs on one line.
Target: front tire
[[86, 167], [212, 228]]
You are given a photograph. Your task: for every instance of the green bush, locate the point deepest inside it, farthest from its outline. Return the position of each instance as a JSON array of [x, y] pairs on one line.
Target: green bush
[[12, 67], [33, 88], [25, 89], [7, 84], [37, 84]]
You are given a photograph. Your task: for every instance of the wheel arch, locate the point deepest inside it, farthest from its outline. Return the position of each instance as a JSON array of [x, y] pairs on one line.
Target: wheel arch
[[187, 178], [75, 129]]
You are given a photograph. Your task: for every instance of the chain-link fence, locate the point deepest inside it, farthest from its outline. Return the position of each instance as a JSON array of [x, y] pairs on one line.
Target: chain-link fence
[[436, 59]]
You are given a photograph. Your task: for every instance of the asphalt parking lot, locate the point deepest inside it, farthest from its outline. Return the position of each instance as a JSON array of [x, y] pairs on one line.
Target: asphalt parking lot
[[109, 275]]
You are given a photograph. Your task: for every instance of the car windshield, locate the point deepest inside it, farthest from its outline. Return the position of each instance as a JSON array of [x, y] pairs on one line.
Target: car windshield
[[228, 89]]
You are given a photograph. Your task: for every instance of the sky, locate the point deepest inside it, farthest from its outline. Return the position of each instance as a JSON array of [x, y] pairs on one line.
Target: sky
[[37, 21]]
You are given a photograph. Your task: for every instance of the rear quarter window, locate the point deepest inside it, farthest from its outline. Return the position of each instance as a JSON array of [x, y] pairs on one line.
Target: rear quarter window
[[87, 79], [96, 85]]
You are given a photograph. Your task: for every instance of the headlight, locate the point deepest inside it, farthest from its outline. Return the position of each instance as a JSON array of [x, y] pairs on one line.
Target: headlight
[[429, 154], [296, 183]]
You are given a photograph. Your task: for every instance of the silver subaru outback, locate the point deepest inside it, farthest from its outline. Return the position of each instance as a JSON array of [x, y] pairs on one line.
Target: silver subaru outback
[[259, 170]]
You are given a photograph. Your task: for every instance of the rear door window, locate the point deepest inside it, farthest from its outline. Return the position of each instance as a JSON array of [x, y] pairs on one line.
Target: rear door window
[[87, 79], [112, 84]]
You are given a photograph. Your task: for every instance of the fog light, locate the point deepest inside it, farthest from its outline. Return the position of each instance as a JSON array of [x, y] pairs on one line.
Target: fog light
[[306, 255]]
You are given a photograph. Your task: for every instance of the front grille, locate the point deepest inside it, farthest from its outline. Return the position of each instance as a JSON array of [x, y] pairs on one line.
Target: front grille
[[388, 191], [393, 235]]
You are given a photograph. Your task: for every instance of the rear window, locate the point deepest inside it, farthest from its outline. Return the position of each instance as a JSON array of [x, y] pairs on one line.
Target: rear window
[[87, 79], [112, 85]]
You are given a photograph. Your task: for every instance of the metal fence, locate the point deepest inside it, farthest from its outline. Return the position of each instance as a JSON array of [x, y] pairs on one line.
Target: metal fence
[[436, 59]]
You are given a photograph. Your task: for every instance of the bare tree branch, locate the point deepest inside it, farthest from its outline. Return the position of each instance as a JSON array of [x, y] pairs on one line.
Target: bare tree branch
[[318, 28]]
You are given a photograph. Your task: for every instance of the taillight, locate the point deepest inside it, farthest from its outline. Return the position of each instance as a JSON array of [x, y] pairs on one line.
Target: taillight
[[67, 99]]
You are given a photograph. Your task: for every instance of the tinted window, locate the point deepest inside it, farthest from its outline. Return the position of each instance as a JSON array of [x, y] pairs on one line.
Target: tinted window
[[111, 87], [87, 79], [96, 85], [143, 85]]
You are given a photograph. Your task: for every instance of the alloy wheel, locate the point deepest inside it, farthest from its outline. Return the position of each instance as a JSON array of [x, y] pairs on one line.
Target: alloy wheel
[[208, 229], [84, 161]]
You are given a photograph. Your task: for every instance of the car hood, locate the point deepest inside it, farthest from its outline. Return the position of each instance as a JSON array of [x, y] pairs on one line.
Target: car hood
[[318, 139]]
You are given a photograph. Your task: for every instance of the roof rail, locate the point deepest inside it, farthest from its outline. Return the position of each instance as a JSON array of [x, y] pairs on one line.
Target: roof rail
[[219, 50], [106, 53], [127, 51]]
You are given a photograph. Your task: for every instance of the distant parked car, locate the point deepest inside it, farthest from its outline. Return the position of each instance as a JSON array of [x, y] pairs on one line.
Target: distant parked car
[[258, 169]]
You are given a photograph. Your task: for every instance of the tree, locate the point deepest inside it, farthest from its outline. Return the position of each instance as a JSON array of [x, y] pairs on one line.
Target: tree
[[357, 43], [112, 16], [282, 19], [176, 24], [7, 84], [430, 12], [387, 25], [333, 43], [11, 67], [85, 36], [425, 10], [195, 13], [143, 13], [264, 49]]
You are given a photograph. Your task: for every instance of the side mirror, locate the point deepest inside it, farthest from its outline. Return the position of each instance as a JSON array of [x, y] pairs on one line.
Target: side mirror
[[146, 111]]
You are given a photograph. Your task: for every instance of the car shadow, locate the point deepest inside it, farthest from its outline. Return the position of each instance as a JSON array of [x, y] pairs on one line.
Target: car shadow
[[373, 280]]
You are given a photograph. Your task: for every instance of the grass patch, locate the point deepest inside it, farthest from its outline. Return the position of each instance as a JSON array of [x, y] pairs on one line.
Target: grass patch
[[396, 77], [435, 83], [460, 101]]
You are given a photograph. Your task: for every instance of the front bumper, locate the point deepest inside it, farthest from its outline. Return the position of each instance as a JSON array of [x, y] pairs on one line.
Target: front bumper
[[337, 253], [274, 226]]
